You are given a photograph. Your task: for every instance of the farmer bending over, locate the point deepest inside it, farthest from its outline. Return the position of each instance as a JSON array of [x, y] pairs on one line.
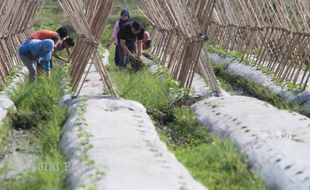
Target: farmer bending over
[[66, 44], [33, 52], [60, 38], [127, 37], [57, 36]]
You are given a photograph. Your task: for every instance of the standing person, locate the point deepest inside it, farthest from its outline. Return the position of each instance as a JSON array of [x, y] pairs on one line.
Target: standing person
[[129, 35], [33, 52], [125, 17]]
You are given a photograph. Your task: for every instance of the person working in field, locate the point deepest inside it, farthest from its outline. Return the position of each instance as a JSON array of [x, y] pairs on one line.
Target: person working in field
[[129, 37], [34, 52], [66, 44], [60, 38], [147, 42], [125, 18], [56, 36]]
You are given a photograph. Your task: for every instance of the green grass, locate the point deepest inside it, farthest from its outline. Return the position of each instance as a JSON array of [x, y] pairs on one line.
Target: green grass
[[237, 83], [10, 78], [106, 35], [211, 160], [50, 16], [40, 99], [216, 163], [219, 166], [223, 52], [5, 134], [141, 87]]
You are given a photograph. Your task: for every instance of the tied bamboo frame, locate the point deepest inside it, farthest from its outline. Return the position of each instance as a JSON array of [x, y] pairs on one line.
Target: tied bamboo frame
[[15, 21], [274, 34], [179, 37], [88, 19]]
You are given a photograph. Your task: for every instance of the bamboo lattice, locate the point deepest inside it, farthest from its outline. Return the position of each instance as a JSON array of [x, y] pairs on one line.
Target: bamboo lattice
[[88, 19], [15, 22], [179, 37], [272, 34]]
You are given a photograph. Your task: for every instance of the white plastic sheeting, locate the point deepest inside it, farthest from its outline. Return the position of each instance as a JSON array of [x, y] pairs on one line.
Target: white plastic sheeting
[[112, 144], [5, 102], [276, 142], [257, 76]]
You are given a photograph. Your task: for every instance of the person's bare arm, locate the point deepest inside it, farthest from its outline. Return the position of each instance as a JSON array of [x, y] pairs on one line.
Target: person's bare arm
[[68, 50], [114, 35], [59, 57]]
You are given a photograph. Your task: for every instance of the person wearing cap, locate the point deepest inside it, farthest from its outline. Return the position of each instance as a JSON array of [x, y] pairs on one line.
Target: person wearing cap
[[34, 52], [125, 18]]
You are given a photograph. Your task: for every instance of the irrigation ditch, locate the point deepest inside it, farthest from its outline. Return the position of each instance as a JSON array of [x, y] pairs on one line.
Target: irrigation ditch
[[31, 157]]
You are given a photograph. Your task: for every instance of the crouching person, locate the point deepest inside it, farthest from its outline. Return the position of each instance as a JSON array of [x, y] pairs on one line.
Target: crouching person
[[33, 52]]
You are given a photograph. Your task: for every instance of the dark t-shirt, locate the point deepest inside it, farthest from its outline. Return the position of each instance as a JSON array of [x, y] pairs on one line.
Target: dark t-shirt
[[126, 34]]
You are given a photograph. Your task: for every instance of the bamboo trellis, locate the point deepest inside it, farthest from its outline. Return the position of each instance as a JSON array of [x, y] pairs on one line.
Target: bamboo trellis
[[88, 19], [15, 22], [273, 34], [179, 36]]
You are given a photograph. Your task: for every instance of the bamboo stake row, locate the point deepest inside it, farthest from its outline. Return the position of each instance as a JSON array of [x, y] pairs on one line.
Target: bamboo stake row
[[179, 36], [15, 21], [282, 52], [292, 15], [272, 33], [88, 19]]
